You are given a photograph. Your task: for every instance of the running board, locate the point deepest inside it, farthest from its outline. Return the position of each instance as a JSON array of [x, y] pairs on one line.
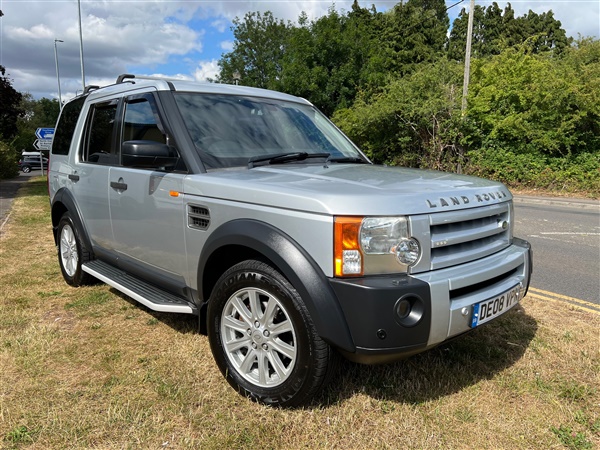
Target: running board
[[148, 295]]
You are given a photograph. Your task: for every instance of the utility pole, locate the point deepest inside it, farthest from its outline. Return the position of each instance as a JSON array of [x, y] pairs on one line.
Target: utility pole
[[468, 58], [463, 109], [81, 46], [57, 72]]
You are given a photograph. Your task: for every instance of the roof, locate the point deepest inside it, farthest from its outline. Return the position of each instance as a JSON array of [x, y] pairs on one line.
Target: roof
[[127, 83]]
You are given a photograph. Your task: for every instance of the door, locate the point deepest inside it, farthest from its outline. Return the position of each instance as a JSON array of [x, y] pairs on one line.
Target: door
[[146, 204], [96, 154]]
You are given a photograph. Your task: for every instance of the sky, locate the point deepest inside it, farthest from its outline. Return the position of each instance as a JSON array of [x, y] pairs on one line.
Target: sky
[[180, 39]]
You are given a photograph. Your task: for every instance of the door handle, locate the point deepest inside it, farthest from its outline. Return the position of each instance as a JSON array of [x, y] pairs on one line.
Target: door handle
[[73, 177], [118, 186]]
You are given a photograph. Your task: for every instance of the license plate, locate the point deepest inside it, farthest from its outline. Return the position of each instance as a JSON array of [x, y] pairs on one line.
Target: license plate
[[485, 311]]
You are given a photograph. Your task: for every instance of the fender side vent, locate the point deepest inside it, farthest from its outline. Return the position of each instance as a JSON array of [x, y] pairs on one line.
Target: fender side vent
[[198, 217]]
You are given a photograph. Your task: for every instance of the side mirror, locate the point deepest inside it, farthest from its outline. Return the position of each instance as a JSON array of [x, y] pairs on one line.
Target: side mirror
[[148, 155]]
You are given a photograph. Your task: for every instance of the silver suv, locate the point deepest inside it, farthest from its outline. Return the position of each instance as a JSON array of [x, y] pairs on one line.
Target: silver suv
[[251, 210]]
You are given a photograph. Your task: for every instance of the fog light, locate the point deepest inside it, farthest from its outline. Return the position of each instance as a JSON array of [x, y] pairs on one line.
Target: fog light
[[408, 251], [409, 310], [403, 308]]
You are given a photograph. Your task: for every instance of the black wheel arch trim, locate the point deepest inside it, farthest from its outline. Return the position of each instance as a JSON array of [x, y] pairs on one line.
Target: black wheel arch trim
[[295, 264], [65, 197]]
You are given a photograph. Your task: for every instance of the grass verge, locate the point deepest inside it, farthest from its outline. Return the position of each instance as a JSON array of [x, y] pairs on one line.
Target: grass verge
[[90, 368]]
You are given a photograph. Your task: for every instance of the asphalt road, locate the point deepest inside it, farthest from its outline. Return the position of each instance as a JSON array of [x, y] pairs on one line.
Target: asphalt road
[[8, 190], [565, 236]]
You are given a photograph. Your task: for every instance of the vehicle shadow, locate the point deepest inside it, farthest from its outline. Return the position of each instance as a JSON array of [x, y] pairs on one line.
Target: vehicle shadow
[[439, 372], [181, 323], [442, 371]]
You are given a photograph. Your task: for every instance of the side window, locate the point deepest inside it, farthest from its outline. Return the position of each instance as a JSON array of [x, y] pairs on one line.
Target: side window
[[66, 126], [141, 122], [101, 125]]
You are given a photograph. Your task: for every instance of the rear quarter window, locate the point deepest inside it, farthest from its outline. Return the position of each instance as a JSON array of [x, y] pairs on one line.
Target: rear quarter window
[[65, 128]]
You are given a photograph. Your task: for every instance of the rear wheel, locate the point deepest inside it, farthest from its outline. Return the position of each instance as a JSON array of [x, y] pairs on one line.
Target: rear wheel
[[263, 339], [72, 253], [26, 169]]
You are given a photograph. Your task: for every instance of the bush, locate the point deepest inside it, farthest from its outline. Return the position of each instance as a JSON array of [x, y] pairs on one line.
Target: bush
[[579, 173], [414, 121], [8, 161]]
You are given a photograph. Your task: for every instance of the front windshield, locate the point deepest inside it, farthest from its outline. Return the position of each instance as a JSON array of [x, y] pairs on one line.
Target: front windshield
[[229, 131]]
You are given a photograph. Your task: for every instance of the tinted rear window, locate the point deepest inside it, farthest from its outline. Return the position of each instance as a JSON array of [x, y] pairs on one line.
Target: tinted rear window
[[66, 126]]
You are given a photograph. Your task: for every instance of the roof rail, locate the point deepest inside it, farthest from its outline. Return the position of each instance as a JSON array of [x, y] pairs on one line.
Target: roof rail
[[123, 77], [128, 76], [87, 89]]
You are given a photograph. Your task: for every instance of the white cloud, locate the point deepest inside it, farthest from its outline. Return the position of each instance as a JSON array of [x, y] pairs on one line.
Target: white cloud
[[116, 36], [220, 25], [282, 9], [576, 16], [36, 32], [206, 70], [171, 36], [226, 45]]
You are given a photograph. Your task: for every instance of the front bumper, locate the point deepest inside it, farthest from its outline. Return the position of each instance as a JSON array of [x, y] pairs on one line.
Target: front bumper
[[444, 299]]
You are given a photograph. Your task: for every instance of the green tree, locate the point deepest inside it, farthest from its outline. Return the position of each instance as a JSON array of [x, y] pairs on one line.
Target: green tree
[[8, 161], [322, 60], [542, 32], [331, 59], [412, 33], [10, 111], [319, 53], [535, 119], [297, 62], [494, 30], [414, 121], [42, 113], [260, 43], [325, 59], [488, 31], [534, 104], [581, 62], [9, 107]]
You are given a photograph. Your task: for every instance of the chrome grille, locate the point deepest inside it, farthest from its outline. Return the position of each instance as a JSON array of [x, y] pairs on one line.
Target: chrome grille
[[456, 237], [463, 236]]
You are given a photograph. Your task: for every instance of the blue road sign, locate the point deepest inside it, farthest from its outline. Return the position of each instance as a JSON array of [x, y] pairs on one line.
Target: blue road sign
[[44, 133]]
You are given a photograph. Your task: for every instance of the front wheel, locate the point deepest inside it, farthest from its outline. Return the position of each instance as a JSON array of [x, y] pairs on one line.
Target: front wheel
[[26, 169], [263, 339], [72, 253]]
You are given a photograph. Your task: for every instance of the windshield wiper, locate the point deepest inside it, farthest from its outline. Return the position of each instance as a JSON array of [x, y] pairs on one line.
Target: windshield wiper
[[348, 159], [280, 158]]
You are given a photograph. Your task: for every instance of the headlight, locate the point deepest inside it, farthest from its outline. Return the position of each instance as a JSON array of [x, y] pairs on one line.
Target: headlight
[[373, 245], [380, 235], [408, 251]]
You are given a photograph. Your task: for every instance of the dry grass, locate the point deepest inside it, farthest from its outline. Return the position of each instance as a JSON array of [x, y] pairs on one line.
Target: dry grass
[[89, 368]]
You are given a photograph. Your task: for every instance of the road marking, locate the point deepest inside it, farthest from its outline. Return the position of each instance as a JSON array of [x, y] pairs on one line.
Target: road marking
[[569, 233], [556, 240], [565, 300], [564, 297]]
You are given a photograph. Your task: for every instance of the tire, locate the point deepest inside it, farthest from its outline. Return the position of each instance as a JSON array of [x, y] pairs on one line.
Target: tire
[[72, 253], [263, 338], [26, 169]]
